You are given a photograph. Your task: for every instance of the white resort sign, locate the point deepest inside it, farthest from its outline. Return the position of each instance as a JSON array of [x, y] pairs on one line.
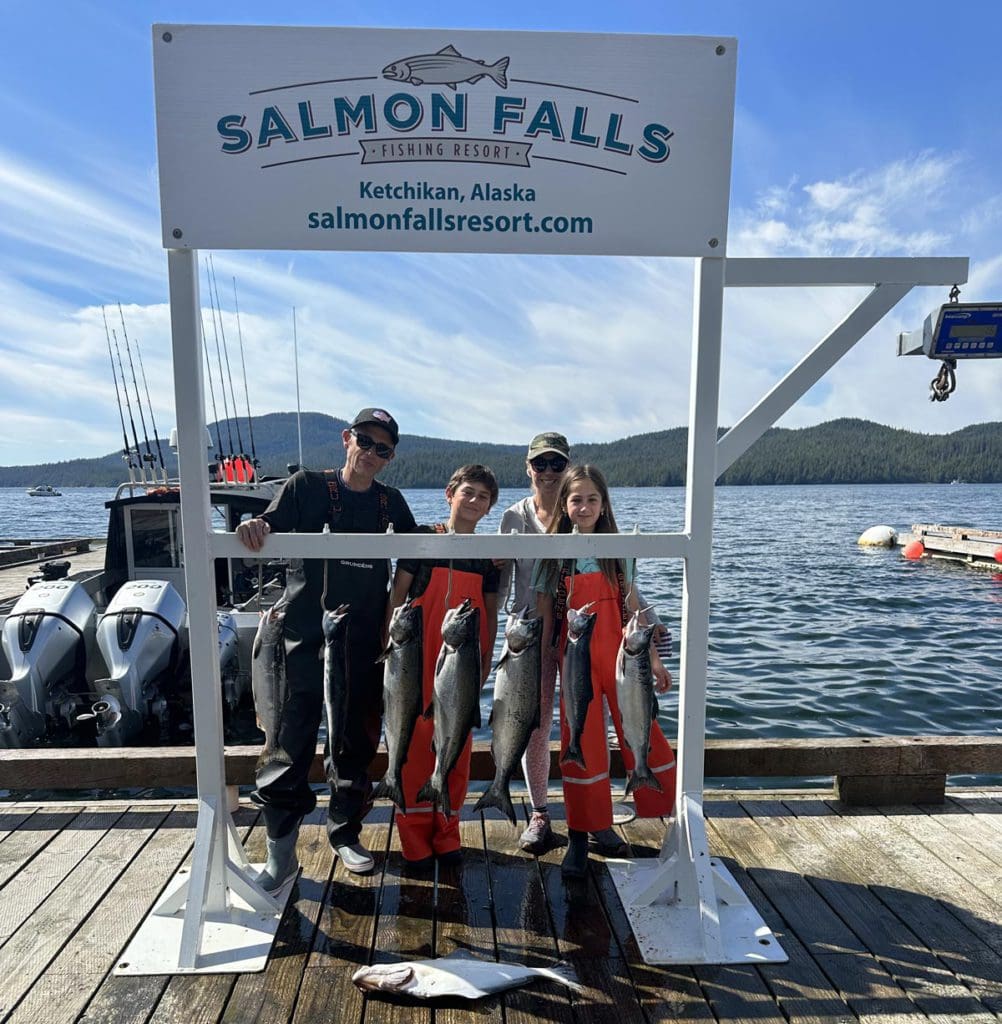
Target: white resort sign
[[443, 141]]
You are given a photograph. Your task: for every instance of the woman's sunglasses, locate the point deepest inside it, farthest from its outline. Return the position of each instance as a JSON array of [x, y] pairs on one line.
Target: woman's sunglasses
[[541, 463], [384, 451]]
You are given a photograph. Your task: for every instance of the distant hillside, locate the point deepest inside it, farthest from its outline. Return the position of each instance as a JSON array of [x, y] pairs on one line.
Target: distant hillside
[[841, 451]]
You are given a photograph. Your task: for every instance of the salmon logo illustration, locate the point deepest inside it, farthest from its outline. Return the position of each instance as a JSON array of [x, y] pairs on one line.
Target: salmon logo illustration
[[447, 67]]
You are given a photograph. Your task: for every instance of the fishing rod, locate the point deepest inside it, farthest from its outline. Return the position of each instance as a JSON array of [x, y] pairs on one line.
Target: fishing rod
[[126, 452], [156, 436], [212, 392], [240, 335], [219, 360], [148, 457], [299, 414], [128, 406], [226, 353]]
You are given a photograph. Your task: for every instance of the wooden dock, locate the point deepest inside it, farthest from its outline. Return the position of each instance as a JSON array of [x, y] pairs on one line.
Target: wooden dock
[[891, 914]]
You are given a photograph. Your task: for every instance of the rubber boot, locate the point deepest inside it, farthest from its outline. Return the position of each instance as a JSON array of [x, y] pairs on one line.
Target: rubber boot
[[282, 862], [575, 863]]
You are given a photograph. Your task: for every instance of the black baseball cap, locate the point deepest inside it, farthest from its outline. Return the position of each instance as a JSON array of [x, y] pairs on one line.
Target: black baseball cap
[[378, 418]]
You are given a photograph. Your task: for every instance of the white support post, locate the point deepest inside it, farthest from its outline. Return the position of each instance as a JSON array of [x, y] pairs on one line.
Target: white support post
[[213, 918], [685, 907]]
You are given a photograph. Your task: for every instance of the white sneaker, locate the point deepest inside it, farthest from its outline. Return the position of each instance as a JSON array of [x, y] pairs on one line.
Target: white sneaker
[[355, 857]]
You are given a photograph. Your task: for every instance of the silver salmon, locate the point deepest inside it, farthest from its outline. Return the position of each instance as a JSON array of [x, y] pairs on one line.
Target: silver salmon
[[335, 627], [401, 695], [637, 700], [447, 67], [515, 713], [456, 697], [575, 679], [457, 975], [269, 686]]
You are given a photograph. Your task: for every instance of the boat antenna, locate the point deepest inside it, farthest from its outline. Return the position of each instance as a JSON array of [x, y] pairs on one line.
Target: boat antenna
[[149, 402], [128, 407], [226, 354], [126, 451], [299, 414], [148, 457], [212, 391], [240, 335], [219, 360]]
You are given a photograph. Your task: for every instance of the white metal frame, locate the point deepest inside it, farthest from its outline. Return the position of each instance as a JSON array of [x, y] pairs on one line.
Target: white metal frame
[[684, 906]]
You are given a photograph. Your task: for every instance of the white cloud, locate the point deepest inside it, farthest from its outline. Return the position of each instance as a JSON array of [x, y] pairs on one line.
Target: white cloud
[[481, 347]]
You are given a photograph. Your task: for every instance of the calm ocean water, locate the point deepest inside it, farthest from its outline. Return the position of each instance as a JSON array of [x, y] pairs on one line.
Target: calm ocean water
[[810, 634]]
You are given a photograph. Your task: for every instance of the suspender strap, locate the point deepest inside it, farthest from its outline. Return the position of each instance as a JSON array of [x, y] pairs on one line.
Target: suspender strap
[[334, 492]]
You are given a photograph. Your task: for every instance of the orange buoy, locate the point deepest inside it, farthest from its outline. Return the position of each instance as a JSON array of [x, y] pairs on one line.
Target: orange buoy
[[914, 549], [998, 554]]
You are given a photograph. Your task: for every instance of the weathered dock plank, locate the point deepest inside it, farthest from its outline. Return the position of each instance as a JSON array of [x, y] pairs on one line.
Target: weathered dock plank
[[131, 999], [28, 952], [955, 945], [523, 925], [70, 981], [886, 916], [868, 769], [268, 997], [900, 950]]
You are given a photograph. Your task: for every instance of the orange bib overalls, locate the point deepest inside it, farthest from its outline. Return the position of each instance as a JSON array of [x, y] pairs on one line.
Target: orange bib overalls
[[424, 830], [588, 791]]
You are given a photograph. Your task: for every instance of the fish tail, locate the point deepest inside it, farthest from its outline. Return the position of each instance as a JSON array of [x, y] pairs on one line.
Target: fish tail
[[573, 755], [562, 973], [271, 765], [497, 796], [390, 788], [428, 793], [499, 72], [642, 779]]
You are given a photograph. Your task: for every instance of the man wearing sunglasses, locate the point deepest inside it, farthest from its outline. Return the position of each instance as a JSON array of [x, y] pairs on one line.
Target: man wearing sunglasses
[[348, 500]]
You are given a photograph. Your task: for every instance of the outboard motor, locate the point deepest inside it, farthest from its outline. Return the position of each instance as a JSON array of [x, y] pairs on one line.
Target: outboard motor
[[43, 640], [138, 637], [229, 664]]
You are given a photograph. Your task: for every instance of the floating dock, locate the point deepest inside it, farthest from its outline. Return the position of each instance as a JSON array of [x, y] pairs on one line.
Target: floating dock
[[887, 915], [965, 544]]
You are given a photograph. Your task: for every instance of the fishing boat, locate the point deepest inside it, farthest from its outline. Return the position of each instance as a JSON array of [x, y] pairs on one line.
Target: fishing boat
[[102, 653], [44, 491]]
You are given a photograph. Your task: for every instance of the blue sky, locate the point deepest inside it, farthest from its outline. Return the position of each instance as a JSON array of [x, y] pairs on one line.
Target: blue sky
[[861, 129]]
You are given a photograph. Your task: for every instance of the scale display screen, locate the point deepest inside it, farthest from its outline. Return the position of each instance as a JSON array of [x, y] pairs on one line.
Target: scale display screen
[[964, 330]]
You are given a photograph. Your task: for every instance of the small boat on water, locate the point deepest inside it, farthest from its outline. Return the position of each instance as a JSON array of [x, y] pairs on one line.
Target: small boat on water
[[44, 491]]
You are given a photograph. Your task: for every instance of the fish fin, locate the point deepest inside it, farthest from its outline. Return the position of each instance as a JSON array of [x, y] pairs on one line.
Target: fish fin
[[497, 797], [450, 50], [451, 85], [416, 81], [504, 657], [562, 973], [382, 658], [429, 711], [428, 793], [499, 72], [476, 78]]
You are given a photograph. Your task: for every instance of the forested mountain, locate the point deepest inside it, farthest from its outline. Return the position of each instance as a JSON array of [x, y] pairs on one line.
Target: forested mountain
[[841, 451]]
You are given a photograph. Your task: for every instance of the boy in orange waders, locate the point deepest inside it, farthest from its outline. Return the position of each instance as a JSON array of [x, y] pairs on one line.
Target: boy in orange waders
[[425, 832], [607, 586]]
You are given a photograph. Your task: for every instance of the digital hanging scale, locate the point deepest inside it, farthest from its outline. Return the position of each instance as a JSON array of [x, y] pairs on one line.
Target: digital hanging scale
[[964, 330]]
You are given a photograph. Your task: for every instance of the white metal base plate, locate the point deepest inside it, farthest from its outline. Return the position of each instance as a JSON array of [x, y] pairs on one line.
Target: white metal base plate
[[240, 942], [670, 933]]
